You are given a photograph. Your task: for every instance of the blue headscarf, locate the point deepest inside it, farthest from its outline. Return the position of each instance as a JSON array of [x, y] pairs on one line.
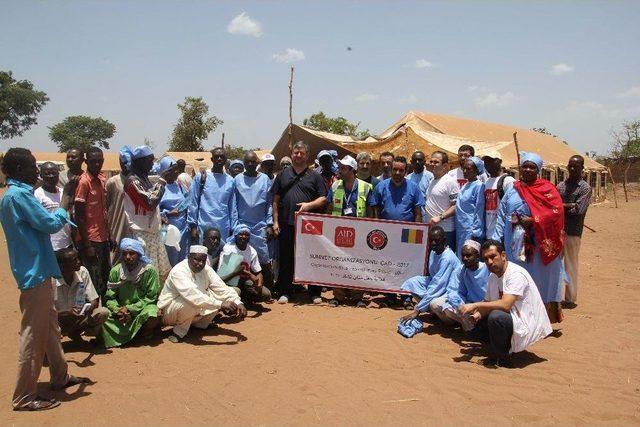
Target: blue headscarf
[[141, 151], [236, 162], [165, 163], [239, 229], [128, 244], [479, 164], [531, 157], [126, 156]]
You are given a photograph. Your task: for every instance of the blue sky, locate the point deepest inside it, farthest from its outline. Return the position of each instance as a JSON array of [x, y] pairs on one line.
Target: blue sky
[[572, 67]]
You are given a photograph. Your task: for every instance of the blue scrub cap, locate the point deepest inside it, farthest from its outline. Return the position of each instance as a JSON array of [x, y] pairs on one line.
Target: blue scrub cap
[[531, 157], [324, 153], [165, 163], [141, 151], [236, 162], [479, 164], [239, 229], [126, 155], [128, 244]]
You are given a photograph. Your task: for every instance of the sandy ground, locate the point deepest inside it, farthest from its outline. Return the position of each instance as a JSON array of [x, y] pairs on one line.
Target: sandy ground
[[316, 365]]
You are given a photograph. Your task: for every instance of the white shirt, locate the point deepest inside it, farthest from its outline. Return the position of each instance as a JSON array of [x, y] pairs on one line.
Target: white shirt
[[458, 175], [51, 202], [64, 294], [204, 290], [492, 200], [530, 320], [249, 256], [440, 195], [184, 180]]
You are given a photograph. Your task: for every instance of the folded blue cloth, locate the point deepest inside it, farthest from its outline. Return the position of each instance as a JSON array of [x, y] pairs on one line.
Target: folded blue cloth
[[410, 328]]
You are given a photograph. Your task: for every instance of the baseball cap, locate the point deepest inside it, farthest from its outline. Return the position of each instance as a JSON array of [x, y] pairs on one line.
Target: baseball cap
[[268, 157], [324, 153], [349, 161]]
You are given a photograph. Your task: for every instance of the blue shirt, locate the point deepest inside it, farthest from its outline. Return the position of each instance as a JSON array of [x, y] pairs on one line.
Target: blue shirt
[[397, 202], [27, 227]]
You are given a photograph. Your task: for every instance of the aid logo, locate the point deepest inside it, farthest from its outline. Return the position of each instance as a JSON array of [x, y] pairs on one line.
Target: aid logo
[[311, 227], [345, 237], [377, 240]]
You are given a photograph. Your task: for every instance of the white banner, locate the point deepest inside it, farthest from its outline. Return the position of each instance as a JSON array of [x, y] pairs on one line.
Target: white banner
[[359, 253]]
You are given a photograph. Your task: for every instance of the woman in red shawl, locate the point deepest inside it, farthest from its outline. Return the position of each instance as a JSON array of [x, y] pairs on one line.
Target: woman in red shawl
[[531, 224]]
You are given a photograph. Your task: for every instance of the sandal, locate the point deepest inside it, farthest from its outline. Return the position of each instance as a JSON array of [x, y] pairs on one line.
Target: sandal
[[73, 380], [39, 404]]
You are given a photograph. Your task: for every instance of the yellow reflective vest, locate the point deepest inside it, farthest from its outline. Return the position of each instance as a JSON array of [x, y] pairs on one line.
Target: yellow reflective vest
[[361, 203]]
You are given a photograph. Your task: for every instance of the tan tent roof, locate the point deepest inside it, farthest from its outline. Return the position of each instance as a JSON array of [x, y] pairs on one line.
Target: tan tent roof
[[430, 132]]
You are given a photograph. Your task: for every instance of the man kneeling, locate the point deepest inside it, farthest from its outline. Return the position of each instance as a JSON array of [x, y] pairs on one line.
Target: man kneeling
[[512, 317], [76, 299], [193, 294]]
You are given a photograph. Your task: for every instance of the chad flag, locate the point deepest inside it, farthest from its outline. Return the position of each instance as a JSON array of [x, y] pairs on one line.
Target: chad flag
[[412, 236]]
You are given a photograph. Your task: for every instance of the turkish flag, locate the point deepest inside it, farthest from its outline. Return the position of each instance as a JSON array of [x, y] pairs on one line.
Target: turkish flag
[[311, 227]]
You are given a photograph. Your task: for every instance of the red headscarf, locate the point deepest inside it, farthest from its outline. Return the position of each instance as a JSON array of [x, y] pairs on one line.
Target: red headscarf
[[547, 213]]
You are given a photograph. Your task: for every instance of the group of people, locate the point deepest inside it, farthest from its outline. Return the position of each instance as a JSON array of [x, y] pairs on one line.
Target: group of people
[[157, 246]]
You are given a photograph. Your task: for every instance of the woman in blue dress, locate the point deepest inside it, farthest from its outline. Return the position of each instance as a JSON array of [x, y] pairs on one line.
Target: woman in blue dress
[[531, 222], [470, 205], [173, 209]]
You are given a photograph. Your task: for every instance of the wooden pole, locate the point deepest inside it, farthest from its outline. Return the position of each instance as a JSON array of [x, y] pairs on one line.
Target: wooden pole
[[222, 143], [615, 197], [291, 111], [515, 142]]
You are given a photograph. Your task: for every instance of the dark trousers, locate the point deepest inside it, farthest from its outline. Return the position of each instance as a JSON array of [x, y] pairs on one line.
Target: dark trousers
[[496, 329], [99, 267], [286, 241]]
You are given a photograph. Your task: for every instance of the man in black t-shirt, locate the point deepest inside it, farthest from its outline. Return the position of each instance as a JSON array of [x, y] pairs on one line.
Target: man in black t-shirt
[[296, 189]]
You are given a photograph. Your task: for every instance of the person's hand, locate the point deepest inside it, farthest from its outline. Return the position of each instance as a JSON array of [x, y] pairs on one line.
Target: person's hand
[[164, 220], [435, 220], [526, 221], [241, 311], [123, 315], [229, 308], [270, 233], [467, 309], [276, 229], [75, 311], [304, 207], [173, 213], [409, 317]]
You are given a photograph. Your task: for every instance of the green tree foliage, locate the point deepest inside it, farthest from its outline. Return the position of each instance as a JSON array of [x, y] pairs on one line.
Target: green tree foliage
[[82, 132], [237, 152], [339, 125], [194, 126], [20, 103]]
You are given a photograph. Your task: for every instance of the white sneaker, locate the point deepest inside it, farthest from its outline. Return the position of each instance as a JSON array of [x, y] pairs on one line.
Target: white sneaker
[[283, 299], [317, 300]]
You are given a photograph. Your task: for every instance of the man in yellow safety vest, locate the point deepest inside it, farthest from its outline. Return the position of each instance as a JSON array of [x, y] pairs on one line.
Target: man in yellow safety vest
[[349, 196]]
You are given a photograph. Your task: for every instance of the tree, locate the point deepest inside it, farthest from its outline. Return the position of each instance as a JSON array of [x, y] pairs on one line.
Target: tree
[[20, 103], [82, 132], [194, 126], [339, 125], [626, 148], [237, 152]]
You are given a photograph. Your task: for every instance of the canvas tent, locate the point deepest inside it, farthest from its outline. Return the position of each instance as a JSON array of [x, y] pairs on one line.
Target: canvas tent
[[431, 132]]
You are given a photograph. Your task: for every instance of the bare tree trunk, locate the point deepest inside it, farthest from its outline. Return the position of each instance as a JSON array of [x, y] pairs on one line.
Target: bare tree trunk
[[615, 196], [222, 142], [624, 182], [291, 111]]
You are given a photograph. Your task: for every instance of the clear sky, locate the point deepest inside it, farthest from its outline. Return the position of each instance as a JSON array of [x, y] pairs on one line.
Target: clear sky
[[572, 67]]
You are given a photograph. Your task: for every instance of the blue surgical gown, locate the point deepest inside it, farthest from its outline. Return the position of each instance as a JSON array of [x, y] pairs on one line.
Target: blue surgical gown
[[548, 277], [466, 286], [433, 286], [253, 204], [217, 207], [175, 198], [470, 214]]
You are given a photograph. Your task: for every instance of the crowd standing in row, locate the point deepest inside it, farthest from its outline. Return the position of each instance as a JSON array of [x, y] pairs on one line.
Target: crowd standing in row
[[118, 258]]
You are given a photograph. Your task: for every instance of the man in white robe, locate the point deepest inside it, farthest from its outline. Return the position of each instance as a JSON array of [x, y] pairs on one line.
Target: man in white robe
[[193, 294]]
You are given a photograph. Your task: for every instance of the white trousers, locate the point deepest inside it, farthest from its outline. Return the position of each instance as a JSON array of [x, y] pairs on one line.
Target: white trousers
[[571, 253], [181, 316]]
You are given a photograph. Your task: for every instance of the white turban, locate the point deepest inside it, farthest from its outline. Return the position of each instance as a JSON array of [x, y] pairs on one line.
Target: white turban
[[198, 249], [472, 244]]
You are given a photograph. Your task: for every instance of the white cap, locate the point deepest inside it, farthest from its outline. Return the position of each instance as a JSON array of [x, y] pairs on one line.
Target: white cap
[[472, 244], [494, 154], [268, 157], [349, 161], [198, 249]]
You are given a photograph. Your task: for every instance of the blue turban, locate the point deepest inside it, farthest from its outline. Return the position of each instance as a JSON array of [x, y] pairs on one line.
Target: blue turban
[[236, 162], [324, 153], [141, 151], [333, 153], [126, 155], [128, 244], [165, 163], [479, 164], [239, 229], [531, 157]]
